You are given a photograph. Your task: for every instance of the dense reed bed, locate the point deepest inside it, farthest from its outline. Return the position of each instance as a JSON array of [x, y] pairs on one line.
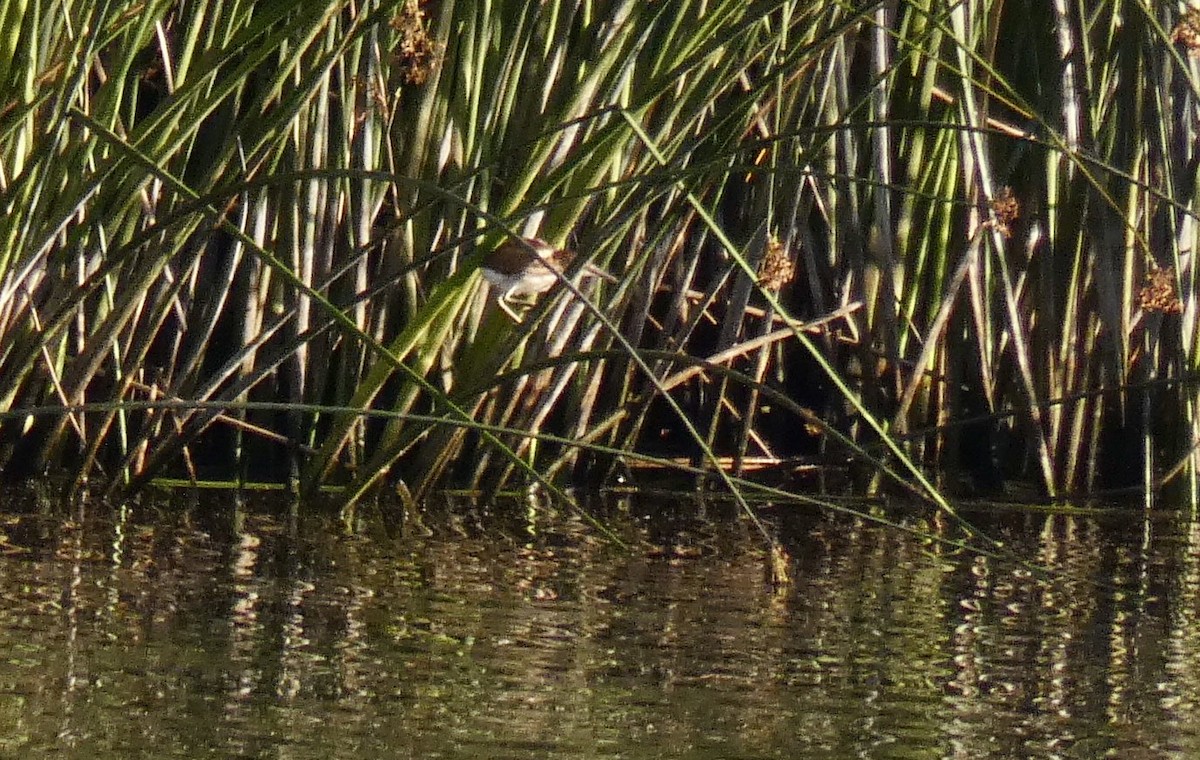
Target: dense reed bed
[[949, 242]]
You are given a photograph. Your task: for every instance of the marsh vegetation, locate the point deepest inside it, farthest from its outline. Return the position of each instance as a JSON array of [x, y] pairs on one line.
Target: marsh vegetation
[[950, 244]]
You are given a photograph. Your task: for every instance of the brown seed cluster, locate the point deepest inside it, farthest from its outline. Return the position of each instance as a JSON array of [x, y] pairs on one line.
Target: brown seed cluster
[[777, 268], [1187, 31], [1006, 209], [416, 54], [1158, 294]]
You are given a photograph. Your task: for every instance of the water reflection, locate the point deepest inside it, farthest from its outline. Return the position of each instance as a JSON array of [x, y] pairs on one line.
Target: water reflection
[[211, 632]]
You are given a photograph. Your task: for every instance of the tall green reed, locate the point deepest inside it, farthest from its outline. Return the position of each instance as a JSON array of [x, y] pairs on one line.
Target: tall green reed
[[231, 203]]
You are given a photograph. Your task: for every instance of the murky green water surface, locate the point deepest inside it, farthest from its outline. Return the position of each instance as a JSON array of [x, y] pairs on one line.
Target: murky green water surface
[[208, 632]]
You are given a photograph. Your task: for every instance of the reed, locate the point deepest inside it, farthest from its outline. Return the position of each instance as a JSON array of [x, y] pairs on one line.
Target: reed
[[948, 241]]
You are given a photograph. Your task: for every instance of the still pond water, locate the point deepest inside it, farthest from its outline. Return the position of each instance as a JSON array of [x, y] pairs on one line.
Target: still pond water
[[209, 631]]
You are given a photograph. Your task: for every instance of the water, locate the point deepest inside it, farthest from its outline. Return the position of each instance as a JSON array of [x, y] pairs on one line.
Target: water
[[206, 632]]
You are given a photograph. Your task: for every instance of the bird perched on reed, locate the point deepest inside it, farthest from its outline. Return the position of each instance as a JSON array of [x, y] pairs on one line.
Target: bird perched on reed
[[529, 267]]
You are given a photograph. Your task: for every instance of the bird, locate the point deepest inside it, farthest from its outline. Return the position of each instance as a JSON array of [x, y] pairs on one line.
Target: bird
[[529, 267]]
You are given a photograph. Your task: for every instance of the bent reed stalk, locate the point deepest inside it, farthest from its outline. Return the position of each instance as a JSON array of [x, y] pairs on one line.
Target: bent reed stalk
[[245, 205]]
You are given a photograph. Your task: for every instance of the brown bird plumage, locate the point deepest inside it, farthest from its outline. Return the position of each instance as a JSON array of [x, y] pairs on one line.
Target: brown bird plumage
[[529, 267]]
